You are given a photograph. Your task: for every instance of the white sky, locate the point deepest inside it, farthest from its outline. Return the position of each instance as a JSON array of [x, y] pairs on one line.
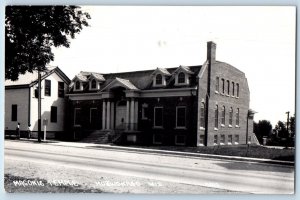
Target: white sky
[[259, 41]]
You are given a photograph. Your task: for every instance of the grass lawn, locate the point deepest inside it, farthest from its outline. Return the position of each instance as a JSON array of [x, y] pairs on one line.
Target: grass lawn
[[253, 151]]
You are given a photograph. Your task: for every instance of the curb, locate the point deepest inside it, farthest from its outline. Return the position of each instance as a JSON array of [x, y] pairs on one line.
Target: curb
[[166, 152]]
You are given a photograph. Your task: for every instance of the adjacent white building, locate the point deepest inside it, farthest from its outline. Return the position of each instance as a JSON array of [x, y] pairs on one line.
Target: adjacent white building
[[21, 102]]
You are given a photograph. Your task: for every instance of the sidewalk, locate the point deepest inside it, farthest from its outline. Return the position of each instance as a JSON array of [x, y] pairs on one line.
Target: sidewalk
[[157, 151]]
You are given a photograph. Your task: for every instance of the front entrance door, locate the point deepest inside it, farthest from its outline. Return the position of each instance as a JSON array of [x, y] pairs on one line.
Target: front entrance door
[[121, 115], [93, 118]]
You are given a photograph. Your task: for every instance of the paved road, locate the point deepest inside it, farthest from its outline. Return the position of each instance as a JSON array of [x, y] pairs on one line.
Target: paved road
[[222, 174]]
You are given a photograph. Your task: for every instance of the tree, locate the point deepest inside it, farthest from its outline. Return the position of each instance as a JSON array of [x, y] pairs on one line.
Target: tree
[[262, 128], [31, 31], [281, 130], [293, 125]]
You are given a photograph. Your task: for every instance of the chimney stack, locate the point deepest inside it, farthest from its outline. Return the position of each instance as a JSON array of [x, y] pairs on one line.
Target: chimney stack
[[211, 51]]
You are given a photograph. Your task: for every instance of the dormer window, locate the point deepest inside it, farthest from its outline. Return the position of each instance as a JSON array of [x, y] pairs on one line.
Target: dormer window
[[93, 84], [77, 85], [158, 79], [181, 78]]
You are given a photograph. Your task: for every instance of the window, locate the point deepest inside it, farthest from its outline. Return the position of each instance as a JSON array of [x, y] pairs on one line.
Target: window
[[229, 139], [230, 117], [236, 139], [53, 114], [180, 116], [93, 84], [181, 77], [223, 116], [222, 140], [14, 112], [202, 114], [77, 85], [228, 87], [237, 117], [223, 86], [216, 117], [158, 79], [237, 90], [217, 84], [77, 116], [61, 89], [215, 139], [36, 92], [158, 117], [232, 88], [47, 87]]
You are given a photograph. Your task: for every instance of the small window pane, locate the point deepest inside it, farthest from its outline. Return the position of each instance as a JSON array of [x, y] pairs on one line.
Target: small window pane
[[181, 77], [158, 79], [47, 87], [61, 89]]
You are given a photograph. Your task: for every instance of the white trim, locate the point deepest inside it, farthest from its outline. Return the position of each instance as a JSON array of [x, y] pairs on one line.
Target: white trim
[[176, 125], [154, 126]]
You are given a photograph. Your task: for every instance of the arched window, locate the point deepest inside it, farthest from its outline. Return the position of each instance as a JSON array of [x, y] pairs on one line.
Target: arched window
[[237, 90], [230, 116], [216, 116], [93, 84], [217, 84], [181, 77], [232, 88], [223, 86], [228, 87], [77, 85], [223, 116], [237, 123], [202, 114], [158, 79]]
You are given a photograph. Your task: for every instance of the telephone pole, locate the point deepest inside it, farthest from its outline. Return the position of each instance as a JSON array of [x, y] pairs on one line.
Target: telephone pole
[[39, 106]]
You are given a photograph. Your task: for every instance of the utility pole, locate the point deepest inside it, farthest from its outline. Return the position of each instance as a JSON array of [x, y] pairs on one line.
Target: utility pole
[[39, 106], [287, 122]]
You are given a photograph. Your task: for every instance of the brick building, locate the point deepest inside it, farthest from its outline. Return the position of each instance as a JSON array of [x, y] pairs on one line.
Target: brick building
[[187, 105]]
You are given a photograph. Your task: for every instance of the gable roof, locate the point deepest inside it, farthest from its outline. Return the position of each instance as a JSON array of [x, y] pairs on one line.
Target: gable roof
[[31, 78], [120, 82], [186, 69], [162, 71]]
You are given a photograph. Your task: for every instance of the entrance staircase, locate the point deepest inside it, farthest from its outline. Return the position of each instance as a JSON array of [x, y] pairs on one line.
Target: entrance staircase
[[103, 136], [98, 137]]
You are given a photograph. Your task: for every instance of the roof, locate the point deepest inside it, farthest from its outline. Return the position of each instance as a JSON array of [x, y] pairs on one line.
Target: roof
[[161, 71], [136, 79], [186, 69], [30, 78], [124, 82]]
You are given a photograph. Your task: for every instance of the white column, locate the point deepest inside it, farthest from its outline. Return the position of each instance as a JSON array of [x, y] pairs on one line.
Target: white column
[[103, 114], [132, 114], [108, 116], [127, 114], [136, 113], [112, 114]]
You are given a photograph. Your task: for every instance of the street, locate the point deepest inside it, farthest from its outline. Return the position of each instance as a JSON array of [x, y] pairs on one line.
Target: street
[[133, 172]]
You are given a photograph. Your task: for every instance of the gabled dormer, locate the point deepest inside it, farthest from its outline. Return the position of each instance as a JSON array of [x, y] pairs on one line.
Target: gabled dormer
[[95, 80], [182, 75], [159, 77], [78, 82]]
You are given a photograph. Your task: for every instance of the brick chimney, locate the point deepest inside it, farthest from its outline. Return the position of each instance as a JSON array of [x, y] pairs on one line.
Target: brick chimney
[[211, 51]]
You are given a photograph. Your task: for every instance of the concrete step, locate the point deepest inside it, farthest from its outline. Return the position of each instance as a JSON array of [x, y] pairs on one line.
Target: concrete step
[[97, 136]]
